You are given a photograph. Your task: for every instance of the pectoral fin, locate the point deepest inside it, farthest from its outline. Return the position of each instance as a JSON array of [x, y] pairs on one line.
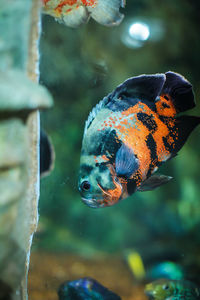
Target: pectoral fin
[[125, 163], [153, 182]]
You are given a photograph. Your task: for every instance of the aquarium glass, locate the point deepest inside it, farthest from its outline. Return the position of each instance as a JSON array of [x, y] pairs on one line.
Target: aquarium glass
[[151, 234]]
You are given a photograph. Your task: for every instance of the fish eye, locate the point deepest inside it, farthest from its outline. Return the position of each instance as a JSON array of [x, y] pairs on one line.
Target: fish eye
[[165, 287], [85, 186]]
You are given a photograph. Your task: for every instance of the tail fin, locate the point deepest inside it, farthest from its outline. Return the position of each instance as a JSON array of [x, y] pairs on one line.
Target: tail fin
[[180, 91], [184, 126]]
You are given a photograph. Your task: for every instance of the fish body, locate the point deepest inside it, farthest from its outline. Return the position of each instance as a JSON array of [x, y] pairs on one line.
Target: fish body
[[130, 133], [76, 12], [164, 289], [85, 289]]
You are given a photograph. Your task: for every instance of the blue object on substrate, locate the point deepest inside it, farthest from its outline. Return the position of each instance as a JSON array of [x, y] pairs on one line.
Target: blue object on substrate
[[85, 289]]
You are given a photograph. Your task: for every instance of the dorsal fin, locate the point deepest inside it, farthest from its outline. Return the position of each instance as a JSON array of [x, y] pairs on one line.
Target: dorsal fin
[[180, 91], [144, 87], [94, 112]]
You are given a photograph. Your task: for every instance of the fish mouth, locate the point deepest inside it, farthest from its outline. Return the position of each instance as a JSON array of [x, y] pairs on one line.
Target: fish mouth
[[150, 295], [106, 198], [93, 203]]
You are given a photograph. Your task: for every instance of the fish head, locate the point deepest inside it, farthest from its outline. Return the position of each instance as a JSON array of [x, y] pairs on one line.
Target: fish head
[[100, 186], [160, 289], [106, 168]]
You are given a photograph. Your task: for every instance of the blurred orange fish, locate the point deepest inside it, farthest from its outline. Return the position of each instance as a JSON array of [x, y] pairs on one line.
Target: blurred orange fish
[[76, 12]]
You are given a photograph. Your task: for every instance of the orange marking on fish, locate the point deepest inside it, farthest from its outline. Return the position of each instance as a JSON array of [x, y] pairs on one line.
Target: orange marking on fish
[[112, 196], [104, 157], [165, 111], [59, 7], [45, 1], [161, 132], [135, 137], [89, 2], [170, 140]]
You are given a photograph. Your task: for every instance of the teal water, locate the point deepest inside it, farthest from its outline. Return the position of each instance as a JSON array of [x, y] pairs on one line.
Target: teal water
[[80, 67]]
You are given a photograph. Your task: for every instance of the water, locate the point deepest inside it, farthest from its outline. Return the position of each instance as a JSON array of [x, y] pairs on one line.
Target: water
[[80, 67]]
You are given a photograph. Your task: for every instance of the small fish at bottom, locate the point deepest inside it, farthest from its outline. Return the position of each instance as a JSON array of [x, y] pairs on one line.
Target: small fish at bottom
[[164, 289]]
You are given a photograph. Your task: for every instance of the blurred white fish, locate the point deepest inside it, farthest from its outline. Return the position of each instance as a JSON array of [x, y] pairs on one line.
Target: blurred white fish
[[76, 12]]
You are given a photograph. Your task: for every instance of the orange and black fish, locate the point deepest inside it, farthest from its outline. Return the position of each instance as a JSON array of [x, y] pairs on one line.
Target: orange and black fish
[[73, 13], [130, 133]]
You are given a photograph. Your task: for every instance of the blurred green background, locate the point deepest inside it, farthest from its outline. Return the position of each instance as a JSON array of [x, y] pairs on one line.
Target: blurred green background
[[81, 66]]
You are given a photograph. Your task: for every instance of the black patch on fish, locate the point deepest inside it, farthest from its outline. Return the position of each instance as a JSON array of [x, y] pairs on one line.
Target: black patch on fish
[[148, 121], [131, 186], [166, 97], [180, 90], [169, 121], [103, 167], [111, 145], [86, 169], [104, 142], [151, 144], [125, 163], [165, 105], [170, 146], [96, 142], [183, 127]]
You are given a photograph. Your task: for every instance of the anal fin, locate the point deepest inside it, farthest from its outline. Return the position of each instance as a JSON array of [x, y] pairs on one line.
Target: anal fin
[[153, 182]]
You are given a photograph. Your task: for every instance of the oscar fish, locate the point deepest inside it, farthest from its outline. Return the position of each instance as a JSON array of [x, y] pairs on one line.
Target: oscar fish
[[165, 289], [130, 133], [85, 289], [73, 13]]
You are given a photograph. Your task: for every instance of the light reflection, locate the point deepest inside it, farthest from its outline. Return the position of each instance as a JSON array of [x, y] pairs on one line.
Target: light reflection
[[139, 31]]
